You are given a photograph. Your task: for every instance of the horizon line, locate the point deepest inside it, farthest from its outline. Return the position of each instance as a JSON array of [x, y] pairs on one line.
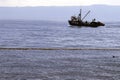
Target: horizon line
[[64, 5]]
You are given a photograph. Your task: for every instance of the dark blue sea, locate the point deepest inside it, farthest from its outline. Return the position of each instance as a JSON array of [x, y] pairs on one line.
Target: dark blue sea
[[58, 64], [45, 34]]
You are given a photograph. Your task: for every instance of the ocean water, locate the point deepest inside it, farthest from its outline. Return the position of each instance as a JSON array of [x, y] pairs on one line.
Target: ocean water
[[84, 64], [45, 34]]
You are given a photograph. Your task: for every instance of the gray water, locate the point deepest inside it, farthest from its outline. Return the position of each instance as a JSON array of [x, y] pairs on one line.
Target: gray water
[[57, 34], [94, 64]]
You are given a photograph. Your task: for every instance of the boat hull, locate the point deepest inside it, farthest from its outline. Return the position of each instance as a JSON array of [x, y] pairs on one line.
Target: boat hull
[[87, 24]]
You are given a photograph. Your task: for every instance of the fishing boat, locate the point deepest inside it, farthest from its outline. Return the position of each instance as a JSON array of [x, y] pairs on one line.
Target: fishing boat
[[79, 21]]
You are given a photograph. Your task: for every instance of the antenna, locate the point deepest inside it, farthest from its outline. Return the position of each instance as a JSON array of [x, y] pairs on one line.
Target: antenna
[[86, 15]]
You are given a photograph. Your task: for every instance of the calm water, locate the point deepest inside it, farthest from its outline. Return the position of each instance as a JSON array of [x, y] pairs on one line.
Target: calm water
[[58, 64], [57, 34]]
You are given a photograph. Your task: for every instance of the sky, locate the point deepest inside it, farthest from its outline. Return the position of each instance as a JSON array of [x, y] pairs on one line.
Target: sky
[[56, 2]]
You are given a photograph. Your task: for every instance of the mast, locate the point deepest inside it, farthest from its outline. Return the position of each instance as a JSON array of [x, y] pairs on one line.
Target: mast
[[85, 15], [80, 14]]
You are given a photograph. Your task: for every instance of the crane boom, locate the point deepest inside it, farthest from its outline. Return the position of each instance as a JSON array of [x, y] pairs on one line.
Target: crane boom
[[85, 15]]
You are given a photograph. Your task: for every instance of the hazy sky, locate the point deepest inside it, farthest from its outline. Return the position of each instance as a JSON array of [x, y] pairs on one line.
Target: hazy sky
[[56, 2]]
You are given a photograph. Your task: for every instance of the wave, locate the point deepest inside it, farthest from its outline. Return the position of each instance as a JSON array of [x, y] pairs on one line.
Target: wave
[[59, 48]]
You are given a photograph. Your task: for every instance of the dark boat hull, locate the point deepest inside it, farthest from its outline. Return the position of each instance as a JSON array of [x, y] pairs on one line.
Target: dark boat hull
[[87, 24]]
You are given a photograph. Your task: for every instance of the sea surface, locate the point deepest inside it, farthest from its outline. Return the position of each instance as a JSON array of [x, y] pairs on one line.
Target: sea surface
[[58, 64], [44, 34]]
